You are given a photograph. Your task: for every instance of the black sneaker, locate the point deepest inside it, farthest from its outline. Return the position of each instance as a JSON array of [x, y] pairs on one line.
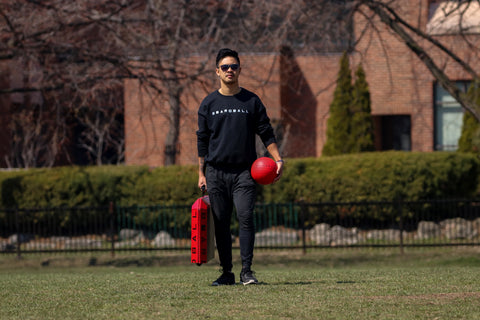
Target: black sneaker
[[227, 278], [247, 277]]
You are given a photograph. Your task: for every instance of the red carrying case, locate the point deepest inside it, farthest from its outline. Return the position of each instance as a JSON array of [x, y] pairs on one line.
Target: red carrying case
[[202, 239]]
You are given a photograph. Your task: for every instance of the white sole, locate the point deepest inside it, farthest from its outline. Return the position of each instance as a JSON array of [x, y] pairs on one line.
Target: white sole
[[249, 282]]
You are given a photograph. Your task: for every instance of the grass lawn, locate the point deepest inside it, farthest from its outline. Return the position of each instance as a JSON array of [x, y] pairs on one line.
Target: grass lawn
[[438, 283]]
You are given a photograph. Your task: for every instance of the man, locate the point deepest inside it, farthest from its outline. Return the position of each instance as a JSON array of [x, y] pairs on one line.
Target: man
[[228, 120]]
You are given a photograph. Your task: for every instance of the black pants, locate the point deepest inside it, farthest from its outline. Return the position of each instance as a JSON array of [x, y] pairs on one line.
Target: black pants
[[228, 187]]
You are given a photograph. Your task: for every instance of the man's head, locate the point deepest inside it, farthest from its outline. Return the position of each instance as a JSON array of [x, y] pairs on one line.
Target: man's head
[[228, 67], [225, 52]]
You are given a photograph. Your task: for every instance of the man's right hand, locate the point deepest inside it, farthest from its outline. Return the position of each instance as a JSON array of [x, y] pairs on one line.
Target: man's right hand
[[202, 182]]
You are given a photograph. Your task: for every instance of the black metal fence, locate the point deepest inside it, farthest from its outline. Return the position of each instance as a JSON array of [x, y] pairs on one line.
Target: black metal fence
[[291, 225]]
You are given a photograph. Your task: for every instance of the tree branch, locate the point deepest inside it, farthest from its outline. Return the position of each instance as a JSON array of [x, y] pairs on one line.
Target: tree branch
[[432, 40], [442, 78]]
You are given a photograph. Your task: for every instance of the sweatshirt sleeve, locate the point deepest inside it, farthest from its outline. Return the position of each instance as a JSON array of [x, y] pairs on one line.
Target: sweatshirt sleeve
[[264, 128], [203, 133]]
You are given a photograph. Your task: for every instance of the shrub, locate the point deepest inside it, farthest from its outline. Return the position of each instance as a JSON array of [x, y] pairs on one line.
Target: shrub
[[377, 176], [373, 176], [68, 186], [386, 176]]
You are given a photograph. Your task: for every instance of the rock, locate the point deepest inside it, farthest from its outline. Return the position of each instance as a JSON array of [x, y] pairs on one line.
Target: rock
[[82, 243], [40, 245], [140, 237], [127, 234], [126, 244], [20, 238], [458, 228], [320, 234], [163, 239], [323, 234], [341, 236], [384, 234], [428, 230], [276, 237], [6, 247]]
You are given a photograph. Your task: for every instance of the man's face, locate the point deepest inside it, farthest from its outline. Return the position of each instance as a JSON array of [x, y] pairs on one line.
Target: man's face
[[228, 76]]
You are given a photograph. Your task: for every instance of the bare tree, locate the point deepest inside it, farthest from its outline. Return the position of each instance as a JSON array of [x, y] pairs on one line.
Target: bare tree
[[82, 49], [56, 47], [101, 128], [426, 45]]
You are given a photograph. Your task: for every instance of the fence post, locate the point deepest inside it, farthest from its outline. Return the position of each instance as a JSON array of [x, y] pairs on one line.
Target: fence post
[[17, 227], [400, 222], [303, 209], [111, 211]]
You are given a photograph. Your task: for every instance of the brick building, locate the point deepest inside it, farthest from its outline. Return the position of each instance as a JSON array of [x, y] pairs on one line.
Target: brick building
[[411, 111]]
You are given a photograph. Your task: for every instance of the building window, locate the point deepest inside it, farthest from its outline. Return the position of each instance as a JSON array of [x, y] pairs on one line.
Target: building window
[[448, 118], [396, 133], [393, 132]]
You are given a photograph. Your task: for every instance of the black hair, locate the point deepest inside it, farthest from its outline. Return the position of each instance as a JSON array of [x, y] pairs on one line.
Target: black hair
[[225, 52]]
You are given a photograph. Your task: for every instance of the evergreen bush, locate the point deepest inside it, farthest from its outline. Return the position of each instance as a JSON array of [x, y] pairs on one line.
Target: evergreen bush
[[339, 121], [362, 133], [470, 138], [350, 124]]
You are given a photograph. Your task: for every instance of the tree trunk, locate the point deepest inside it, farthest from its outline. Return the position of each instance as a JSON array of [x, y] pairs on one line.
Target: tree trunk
[[171, 141]]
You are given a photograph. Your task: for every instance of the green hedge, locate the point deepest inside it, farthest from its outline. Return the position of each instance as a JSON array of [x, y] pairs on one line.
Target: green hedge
[[66, 186], [97, 186], [360, 177], [377, 176]]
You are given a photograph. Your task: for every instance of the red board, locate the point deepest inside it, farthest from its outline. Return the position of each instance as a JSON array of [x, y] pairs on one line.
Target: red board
[[202, 238]]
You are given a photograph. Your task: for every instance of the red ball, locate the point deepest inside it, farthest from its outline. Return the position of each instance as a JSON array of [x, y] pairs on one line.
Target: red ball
[[264, 170]]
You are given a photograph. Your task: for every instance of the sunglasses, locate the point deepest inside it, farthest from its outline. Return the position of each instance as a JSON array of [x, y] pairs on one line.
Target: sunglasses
[[225, 67]]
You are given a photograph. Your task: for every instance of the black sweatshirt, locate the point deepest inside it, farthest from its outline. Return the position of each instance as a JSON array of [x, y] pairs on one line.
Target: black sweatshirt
[[227, 126]]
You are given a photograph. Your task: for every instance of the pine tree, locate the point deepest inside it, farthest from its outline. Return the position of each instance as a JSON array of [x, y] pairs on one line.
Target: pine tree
[[470, 138], [361, 137], [339, 122]]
